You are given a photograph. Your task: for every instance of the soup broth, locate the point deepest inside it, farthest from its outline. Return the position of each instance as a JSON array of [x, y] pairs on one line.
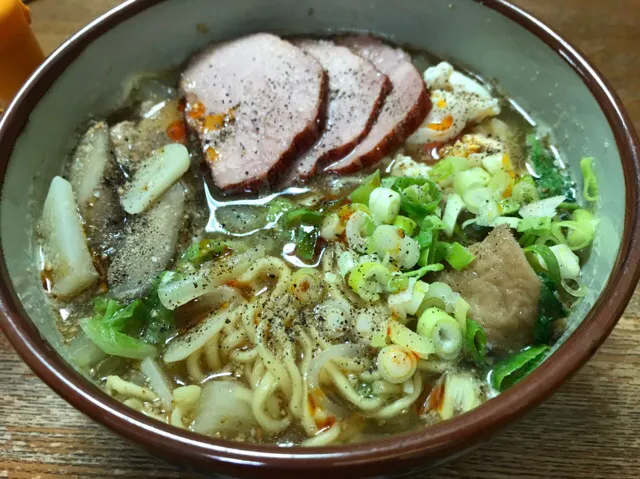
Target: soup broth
[[337, 308]]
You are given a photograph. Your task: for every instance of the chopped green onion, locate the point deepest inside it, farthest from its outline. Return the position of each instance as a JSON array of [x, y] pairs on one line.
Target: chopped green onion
[[546, 207], [495, 163], [443, 331], [397, 283], [538, 225], [420, 272], [203, 250], [403, 336], [515, 368], [384, 204], [460, 311], [508, 206], [361, 193], [590, 190], [579, 232], [359, 227], [525, 191], [578, 292], [471, 179], [475, 341], [419, 196], [441, 249], [567, 260], [405, 224], [307, 285], [306, 240], [277, 207], [458, 256], [386, 239], [331, 227], [477, 198], [396, 364], [346, 262], [302, 216], [439, 295], [550, 309], [452, 210], [368, 280], [568, 206], [550, 261], [447, 167], [502, 184]]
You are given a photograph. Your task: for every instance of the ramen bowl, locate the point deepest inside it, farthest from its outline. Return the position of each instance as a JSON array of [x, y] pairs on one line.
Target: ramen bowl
[[542, 74]]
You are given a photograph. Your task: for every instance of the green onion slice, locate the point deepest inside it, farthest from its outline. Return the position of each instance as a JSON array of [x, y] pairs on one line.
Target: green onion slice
[[361, 193], [591, 190], [475, 341], [550, 261], [515, 368]]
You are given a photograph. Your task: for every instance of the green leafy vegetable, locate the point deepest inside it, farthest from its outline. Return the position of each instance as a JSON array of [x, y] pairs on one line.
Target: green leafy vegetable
[[115, 343], [550, 309], [590, 191], [515, 368], [475, 341], [551, 180], [112, 324], [361, 193]]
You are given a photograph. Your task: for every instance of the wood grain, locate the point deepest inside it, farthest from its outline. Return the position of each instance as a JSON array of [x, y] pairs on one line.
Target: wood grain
[[589, 429]]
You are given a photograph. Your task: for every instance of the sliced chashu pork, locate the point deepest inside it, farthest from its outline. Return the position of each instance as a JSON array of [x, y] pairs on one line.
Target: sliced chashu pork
[[356, 93], [404, 109], [256, 103]]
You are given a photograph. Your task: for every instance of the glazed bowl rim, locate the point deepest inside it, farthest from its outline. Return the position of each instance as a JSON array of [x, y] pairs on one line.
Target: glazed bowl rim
[[434, 443]]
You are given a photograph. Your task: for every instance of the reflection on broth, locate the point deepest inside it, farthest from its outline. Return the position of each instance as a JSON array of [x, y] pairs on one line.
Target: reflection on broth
[[324, 244]]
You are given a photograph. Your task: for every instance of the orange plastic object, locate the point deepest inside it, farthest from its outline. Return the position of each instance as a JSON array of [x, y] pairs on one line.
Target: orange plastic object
[[20, 53]]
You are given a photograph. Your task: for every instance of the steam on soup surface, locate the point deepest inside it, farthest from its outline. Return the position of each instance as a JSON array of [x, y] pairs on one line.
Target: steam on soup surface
[[309, 242]]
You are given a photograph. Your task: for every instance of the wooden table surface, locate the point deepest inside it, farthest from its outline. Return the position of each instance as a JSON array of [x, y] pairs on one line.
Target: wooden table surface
[[588, 429]]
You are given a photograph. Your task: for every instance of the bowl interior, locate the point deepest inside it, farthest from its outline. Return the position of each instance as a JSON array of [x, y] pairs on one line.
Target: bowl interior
[[465, 32]]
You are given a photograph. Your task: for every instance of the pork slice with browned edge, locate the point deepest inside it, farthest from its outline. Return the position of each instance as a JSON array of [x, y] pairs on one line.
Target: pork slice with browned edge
[[356, 93], [404, 109], [256, 103]]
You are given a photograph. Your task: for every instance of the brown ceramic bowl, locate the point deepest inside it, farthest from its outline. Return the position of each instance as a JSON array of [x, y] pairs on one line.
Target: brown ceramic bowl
[[537, 68]]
